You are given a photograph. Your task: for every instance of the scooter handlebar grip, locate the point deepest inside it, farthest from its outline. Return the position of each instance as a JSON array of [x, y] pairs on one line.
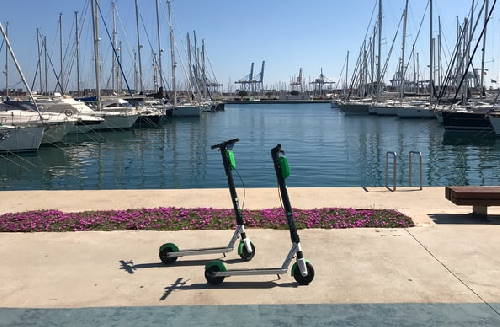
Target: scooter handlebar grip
[[224, 144]]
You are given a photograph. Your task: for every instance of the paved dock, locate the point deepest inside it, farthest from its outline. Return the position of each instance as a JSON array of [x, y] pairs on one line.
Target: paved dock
[[445, 272]]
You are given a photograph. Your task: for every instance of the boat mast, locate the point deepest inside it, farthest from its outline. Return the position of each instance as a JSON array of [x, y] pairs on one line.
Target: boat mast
[[46, 65], [95, 24], [77, 37], [120, 78], [372, 62], [190, 68], [39, 59], [418, 73], [431, 61], [347, 75], [197, 65], [402, 69], [18, 67], [172, 52], [160, 67], [138, 46], [203, 73], [486, 12], [61, 59], [469, 41], [439, 54], [379, 56], [136, 76], [113, 41], [6, 61]]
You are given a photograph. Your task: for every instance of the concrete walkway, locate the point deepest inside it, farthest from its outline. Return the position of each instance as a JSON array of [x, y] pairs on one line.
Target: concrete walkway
[[423, 206], [445, 272], [444, 264]]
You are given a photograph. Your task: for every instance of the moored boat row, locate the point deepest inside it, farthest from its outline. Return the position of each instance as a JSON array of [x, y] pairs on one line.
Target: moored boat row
[[473, 117]]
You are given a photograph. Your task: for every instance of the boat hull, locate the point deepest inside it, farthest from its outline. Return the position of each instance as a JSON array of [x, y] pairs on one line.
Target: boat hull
[[186, 111], [355, 109], [466, 121], [385, 111], [117, 122], [495, 123], [439, 116], [21, 139], [415, 112], [55, 133]]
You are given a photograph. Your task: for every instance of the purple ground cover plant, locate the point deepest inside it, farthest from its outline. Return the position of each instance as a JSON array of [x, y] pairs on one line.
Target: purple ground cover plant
[[197, 219]]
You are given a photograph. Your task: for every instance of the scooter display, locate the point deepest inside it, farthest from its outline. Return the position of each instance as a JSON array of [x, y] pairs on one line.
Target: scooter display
[[169, 252]]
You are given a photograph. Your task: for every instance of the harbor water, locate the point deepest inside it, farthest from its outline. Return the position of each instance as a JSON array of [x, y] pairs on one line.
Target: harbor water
[[324, 147]]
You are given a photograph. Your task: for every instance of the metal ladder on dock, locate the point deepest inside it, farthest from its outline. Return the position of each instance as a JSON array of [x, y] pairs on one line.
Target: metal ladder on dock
[[394, 156]]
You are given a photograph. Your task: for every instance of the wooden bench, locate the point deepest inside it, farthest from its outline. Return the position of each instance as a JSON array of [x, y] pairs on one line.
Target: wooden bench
[[479, 197]]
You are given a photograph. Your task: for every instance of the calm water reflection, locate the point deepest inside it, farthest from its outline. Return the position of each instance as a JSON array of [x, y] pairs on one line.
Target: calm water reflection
[[325, 148]]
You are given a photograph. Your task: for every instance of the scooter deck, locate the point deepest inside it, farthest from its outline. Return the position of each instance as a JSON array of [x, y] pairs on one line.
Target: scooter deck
[[255, 271], [188, 252]]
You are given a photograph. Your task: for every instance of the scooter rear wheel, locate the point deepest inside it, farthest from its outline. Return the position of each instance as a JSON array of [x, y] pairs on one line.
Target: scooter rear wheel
[[163, 254], [243, 252], [303, 280], [211, 279]]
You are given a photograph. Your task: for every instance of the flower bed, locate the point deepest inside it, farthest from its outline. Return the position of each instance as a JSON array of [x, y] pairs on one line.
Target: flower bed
[[197, 219]]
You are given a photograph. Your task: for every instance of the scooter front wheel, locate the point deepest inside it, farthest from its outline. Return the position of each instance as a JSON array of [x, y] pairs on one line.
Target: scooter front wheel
[[164, 250], [243, 252], [209, 275], [303, 280]]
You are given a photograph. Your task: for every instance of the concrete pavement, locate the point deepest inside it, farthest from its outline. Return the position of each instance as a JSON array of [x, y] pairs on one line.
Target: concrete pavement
[[444, 272], [86, 269]]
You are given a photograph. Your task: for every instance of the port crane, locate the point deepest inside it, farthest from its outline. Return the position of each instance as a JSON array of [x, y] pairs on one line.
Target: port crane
[[253, 83]]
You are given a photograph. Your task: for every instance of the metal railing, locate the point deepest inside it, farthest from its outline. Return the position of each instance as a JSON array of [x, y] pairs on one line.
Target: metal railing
[[395, 157], [410, 155], [394, 170]]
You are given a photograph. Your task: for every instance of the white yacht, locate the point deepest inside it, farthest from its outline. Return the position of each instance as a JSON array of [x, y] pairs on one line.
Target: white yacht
[[88, 119], [148, 110], [56, 125], [20, 138], [415, 109]]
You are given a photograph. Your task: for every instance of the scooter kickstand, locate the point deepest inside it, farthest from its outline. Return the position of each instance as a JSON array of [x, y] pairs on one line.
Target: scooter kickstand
[[277, 275], [224, 254]]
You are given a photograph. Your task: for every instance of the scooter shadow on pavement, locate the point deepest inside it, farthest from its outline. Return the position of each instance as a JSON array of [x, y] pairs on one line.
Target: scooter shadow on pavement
[[130, 267], [181, 284]]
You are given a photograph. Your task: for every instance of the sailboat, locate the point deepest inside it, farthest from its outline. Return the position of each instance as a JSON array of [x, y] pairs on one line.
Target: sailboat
[[185, 109], [24, 137], [114, 118]]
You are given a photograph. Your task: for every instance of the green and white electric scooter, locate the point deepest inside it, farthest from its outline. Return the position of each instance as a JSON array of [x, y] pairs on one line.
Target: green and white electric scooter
[[302, 270], [169, 252]]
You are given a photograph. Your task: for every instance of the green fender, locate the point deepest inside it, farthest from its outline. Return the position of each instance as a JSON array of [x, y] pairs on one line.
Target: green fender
[[240, 248], [216, 263], [169, 246]]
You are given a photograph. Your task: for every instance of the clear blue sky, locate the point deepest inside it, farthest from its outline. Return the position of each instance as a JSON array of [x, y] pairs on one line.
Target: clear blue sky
[[287, 34]]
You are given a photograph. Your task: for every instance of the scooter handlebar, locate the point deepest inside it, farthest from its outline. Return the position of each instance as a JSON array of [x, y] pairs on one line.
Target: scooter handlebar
[[224, 145]]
